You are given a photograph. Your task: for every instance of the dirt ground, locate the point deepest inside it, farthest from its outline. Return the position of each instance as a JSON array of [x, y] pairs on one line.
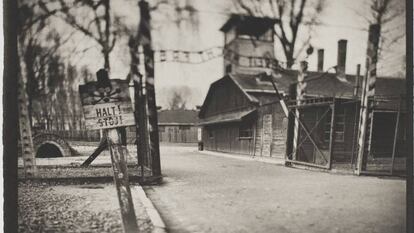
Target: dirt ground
[[205, 193], [73, 208]]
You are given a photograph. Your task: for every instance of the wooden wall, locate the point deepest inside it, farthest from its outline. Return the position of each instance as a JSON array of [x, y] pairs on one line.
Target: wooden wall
[[269, 133], [171, 134], [225, 97], [225, 138], [271, 115], [178, 134]]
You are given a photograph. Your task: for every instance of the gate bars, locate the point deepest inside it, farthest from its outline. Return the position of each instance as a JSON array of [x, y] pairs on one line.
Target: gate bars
[[290, 113], [308, 133]]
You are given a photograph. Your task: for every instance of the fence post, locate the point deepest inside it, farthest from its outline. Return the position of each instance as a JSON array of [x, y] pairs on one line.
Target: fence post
[[300, 90], [144, 38], [29, 160], [367, 91], [394, 146], [332, 134]]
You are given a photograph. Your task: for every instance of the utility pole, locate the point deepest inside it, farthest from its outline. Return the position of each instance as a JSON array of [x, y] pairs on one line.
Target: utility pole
[[136, 74], [144, 39], [368, 91]]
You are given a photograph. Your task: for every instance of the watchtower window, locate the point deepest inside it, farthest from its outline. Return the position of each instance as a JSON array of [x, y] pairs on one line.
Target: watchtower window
[[264, 36]]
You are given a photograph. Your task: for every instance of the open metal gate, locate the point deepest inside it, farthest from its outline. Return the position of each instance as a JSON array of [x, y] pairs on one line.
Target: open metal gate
[[312, 142], [387, 139]]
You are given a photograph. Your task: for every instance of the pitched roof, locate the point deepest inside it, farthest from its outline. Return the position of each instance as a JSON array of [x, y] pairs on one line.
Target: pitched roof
[[177, 117], [327, 86], [252, 83], [250, 24], [236, 116], [251, 98]]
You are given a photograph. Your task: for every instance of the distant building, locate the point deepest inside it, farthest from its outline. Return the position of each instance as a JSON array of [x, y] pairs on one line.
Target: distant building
[[178, 126], [241, 112], [331, 111]]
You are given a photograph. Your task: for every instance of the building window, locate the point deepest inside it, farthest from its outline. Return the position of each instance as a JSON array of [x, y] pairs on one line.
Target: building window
[[245, 130], [339, 126], [210, 134]]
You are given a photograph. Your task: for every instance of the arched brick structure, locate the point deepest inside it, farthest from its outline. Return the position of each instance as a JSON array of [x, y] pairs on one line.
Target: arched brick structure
[[56, 140]]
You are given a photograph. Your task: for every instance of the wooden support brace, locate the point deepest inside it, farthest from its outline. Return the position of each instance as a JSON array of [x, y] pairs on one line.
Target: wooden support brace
[[102, 146]]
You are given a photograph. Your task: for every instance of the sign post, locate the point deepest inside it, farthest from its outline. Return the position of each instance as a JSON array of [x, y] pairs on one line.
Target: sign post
[[107, 105]]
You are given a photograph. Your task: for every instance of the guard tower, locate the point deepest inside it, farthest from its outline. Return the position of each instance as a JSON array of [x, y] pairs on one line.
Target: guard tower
[[245, 39]]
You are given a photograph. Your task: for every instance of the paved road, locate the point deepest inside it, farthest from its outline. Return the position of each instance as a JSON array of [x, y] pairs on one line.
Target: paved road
[[206, 193]]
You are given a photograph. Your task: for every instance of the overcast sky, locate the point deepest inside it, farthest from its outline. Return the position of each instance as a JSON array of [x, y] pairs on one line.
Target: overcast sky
[[339, 18]]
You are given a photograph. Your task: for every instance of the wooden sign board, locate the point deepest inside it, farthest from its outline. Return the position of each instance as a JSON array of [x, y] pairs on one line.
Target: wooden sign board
[[267, 135], [106, 107]]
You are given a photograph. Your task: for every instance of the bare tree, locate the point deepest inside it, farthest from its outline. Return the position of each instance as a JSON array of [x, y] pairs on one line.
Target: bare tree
[[390, 15], [74, 105], [86, 74], [177, 97], [177, 102], [177, 12], [37, 45], [94, 19], [294, 16]]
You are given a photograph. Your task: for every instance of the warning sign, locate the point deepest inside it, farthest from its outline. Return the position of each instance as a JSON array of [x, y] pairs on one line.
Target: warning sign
[[106, 106]]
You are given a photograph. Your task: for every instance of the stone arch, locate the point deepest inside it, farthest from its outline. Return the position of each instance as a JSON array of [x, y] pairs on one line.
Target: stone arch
[[49, 149], [61, 144]]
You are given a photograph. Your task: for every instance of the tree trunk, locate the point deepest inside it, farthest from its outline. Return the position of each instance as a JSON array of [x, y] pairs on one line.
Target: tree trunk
[[106, 60], [30, 110], [289, 58]]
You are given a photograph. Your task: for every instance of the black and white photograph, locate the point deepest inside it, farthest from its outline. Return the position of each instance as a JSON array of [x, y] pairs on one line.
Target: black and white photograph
[[219, 116]]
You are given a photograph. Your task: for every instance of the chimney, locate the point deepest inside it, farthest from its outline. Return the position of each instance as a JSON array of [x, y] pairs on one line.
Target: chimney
[[320, 60], [357, 77], [340, 70]]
